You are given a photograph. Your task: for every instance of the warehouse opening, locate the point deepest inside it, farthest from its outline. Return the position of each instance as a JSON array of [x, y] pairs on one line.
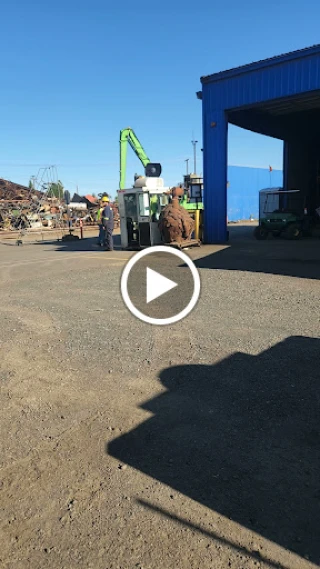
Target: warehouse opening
[[296, 121]]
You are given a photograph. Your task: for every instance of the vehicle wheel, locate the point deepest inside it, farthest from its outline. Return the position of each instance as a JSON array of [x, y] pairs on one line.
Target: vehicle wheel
[[293, 231], [260, 233]]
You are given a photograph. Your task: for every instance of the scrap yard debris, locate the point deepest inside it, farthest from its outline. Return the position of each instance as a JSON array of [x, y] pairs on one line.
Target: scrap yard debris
[[23, 208]]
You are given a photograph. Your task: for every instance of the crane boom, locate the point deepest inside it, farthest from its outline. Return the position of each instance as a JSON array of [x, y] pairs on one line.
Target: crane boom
[[127, 135]]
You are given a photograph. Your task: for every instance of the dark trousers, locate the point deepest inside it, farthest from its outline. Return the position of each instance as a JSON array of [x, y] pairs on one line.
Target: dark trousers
[[108, 240], [101, 234]]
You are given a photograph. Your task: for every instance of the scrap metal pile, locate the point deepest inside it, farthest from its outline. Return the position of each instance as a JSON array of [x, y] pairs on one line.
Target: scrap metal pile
[[22, 208], [15, 192], [175, 224]]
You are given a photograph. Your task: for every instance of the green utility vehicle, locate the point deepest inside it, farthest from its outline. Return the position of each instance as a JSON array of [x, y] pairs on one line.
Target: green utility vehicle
[[281, 214]]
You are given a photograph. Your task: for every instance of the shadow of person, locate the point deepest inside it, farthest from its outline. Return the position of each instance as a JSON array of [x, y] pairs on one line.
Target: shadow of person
[[241, 437], [86, 244]]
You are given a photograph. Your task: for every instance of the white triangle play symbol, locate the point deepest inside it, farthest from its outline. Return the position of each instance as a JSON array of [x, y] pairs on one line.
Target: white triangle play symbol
[[157, 285]]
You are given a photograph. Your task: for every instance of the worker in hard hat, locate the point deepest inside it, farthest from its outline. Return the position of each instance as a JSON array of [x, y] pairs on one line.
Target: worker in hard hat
[[101, 237], [107, 222]]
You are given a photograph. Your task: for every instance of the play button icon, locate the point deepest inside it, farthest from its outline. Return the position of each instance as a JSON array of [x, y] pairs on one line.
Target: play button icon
[[157, 285], [160, 285]]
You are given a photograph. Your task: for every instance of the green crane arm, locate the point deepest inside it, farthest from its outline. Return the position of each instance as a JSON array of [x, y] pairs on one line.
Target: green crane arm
[[127, 135]]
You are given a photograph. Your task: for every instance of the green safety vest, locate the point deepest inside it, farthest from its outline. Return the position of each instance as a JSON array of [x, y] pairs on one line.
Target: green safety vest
[[154, 203]]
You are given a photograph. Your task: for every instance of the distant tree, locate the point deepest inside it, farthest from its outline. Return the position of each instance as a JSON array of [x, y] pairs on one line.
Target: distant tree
[[94, 195], [31, 183], [55, 190]]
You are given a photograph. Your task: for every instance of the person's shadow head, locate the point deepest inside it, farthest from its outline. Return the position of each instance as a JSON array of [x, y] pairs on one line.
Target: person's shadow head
[[241, 437]]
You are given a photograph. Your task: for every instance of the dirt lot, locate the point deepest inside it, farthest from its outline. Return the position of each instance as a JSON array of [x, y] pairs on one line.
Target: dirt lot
[[126, 446]]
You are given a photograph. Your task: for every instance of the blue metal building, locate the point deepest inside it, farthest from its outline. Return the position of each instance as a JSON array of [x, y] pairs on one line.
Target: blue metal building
[[278, 97], [243, 186]]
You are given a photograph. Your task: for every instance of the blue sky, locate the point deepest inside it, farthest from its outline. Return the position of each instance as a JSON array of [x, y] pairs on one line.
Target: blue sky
[[73, 73]]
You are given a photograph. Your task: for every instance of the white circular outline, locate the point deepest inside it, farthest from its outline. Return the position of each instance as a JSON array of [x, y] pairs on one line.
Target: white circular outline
[[160, 321]]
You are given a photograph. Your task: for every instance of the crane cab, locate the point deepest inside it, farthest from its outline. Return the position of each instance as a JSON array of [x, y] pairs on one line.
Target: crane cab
[[139, 209]]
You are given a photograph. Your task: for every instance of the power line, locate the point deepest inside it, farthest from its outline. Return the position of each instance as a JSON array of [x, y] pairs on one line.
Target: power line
[[77, 165]]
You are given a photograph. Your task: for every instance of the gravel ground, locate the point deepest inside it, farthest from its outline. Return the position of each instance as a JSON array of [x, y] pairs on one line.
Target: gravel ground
[[190, 446]]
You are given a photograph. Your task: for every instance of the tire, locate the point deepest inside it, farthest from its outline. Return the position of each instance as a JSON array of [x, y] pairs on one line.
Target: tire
[[260, 233], [293, 232]]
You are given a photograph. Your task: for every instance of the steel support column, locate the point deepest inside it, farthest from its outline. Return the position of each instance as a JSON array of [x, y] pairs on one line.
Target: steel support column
[[215, 159]]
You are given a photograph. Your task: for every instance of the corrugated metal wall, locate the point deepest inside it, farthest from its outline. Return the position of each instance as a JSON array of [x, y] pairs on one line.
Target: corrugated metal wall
[[243, 190], [281, 79]]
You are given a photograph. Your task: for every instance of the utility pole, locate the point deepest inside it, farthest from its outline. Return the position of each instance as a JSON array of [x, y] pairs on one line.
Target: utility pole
[[187, 165], [194, 144]]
